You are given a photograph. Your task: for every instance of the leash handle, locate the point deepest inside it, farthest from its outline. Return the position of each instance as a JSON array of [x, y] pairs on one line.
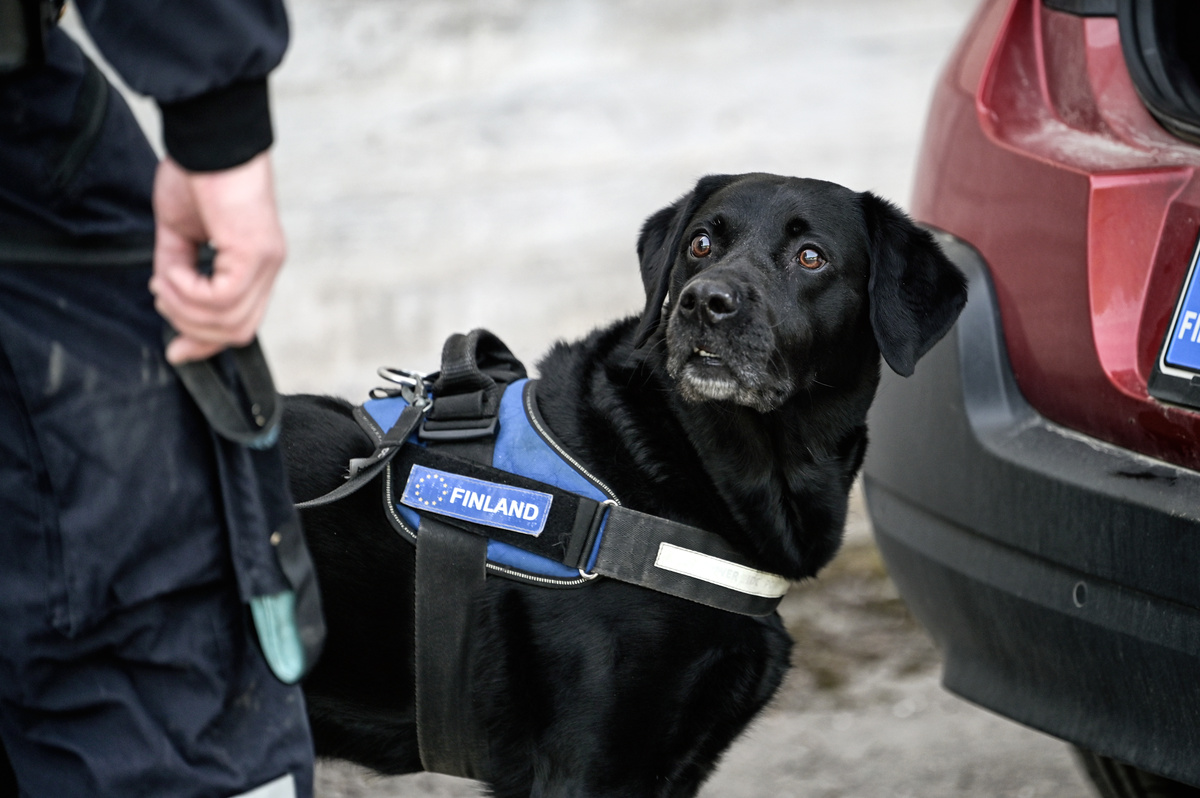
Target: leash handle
[[250, 416], [233, 389]]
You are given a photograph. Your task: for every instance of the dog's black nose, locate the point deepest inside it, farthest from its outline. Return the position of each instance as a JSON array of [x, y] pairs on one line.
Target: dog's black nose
[[711, 301]]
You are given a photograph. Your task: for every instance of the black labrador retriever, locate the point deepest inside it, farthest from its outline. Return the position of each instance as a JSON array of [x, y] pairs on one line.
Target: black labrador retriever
[[737, 403]]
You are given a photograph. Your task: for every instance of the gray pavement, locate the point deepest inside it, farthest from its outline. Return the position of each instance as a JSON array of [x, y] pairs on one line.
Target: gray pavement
[[450, 164]]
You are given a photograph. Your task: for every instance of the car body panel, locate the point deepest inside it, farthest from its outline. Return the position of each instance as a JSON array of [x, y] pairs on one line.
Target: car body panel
[[1055, 571], [1086, 211], [1038, 510]]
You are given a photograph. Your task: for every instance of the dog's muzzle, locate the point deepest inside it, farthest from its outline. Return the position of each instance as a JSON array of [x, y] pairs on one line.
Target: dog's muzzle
[[720, 346]]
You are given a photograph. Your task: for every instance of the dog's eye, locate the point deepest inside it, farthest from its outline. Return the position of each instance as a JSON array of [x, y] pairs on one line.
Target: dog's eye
[[701, 246], [810, 259]]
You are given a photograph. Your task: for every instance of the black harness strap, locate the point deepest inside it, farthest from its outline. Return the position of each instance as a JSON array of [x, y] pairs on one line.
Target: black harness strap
[[452, 563], [450, 582], [657, 553], [684, 561]]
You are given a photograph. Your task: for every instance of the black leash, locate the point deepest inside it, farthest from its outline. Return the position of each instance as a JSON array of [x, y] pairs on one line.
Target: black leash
[[233, 388], [236, 394]]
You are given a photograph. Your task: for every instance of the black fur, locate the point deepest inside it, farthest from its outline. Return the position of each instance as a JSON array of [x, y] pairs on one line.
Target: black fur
[[737, 403]]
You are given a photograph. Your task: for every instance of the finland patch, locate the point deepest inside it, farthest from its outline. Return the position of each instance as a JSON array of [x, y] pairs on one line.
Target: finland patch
[[488, 503]]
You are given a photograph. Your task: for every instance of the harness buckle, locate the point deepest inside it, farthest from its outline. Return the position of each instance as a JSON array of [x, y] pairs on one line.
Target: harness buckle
[[458, 429], [592, 546]]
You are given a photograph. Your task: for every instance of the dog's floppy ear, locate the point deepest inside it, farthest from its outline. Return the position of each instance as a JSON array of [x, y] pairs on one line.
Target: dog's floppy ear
[[659, 243], [916, 293]]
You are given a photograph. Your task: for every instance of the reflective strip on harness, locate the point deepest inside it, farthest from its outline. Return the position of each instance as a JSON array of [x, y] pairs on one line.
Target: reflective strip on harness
[[717, 571]]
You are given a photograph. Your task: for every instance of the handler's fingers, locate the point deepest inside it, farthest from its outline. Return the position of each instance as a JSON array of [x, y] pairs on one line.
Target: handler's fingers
[[205, 299], [235, 324], [185, 350]]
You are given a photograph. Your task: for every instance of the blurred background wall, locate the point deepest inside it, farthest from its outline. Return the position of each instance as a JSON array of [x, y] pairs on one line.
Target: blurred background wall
[[451, 164]]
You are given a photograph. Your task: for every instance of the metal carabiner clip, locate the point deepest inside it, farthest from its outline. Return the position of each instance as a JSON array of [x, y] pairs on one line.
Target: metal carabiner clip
[[413, 387]]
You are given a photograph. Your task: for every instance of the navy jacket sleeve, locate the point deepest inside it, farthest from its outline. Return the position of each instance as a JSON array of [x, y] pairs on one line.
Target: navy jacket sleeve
[[206, 63]]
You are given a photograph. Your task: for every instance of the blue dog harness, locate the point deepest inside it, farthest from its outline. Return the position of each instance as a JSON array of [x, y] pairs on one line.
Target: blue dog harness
[[523, 447], [474, 478], [580, 528]]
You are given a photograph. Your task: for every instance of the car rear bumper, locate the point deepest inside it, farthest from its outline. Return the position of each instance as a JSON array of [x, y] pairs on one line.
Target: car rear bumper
[[1059, 574]]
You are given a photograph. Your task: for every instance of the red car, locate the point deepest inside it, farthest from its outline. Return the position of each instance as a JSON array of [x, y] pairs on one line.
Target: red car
[[1035, 487]]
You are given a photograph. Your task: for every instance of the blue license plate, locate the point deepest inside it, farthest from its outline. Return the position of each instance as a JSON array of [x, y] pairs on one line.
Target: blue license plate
[[1181, 351]]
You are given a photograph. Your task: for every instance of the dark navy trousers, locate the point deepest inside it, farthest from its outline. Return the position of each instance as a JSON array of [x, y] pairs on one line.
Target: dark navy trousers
[[128, 661]]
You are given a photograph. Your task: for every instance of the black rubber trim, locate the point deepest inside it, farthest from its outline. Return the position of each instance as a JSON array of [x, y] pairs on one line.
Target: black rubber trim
[[1084, 8], [1056, 572], [1114, 779], [1015, 477], [1159, 42]]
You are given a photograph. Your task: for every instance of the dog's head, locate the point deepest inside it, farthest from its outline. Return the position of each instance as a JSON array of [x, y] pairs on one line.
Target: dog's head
[[762, 286]]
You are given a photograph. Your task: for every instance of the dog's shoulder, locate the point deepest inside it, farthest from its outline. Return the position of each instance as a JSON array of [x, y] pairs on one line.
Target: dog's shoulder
[[581, 382]]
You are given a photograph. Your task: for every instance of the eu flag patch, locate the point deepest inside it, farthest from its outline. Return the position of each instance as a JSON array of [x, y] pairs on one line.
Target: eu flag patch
[[488, 503]]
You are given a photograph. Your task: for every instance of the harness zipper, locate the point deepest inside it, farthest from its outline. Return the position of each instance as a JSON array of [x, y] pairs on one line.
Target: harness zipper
[[531, 414], [522, 576]]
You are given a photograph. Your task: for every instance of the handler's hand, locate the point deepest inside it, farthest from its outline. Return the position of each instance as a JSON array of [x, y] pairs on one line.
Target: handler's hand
[[234, 210]]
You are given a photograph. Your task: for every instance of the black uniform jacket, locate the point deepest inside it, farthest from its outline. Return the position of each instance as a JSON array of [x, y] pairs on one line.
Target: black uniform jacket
[[72, 159]]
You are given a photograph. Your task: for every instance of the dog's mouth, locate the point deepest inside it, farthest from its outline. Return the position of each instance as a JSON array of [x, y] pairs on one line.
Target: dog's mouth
[[705, 372], [704, 375], [728, 359]]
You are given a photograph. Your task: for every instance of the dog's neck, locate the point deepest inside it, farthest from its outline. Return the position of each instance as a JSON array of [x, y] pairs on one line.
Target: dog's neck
[[775, 484]]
